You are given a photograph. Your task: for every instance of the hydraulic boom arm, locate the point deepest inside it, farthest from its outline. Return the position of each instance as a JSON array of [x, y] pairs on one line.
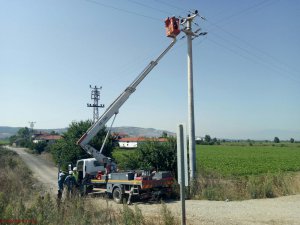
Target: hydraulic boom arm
[[114, 109]]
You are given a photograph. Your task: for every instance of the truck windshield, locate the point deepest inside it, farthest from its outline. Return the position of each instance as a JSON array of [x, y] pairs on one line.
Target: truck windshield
[[96, 163], [79, 165]]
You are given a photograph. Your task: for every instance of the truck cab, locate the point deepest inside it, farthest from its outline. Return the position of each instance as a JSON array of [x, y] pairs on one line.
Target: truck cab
[[90, 166]]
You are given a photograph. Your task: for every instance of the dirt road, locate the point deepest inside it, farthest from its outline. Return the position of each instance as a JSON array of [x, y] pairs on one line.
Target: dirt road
[[43, 170], [277, 211]]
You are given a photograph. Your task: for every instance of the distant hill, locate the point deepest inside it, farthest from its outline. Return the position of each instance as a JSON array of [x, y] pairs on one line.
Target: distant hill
[[141, 132], [6, 132]]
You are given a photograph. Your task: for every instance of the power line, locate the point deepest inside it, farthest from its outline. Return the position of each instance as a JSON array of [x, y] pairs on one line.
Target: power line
[[256, 6], [129, 12], [243, 11], [136, 14], [122, 10], [171, 5], [149, 7], [252, 59], [267, 63], [272, 65], [255, 48]]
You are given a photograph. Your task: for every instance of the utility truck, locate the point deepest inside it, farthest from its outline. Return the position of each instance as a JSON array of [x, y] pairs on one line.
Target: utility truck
[[118, 184]]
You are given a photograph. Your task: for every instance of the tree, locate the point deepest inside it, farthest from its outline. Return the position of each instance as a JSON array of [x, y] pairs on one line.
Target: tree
[[276, 140], [12, 139], [151, 154], [66, 150], [53, 132], [207, 138], [22, 138], [24, 132], [39, 147], [292, 140], [164, 134]]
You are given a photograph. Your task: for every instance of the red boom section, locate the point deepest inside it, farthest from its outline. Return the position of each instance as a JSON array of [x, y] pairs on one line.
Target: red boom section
[[164, 182]]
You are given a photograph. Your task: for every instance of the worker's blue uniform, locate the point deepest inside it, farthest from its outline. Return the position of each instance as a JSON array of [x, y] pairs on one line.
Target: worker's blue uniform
[[70, 182], [61, 178]]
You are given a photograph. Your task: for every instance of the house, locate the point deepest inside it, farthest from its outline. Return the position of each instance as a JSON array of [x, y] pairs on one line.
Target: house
[[119, 135], [49, 138], [133, 142]]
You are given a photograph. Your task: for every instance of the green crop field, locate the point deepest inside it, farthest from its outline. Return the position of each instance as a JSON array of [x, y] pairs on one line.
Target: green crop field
[[4, 142], [243, 170], [246, 160], [240, 159]]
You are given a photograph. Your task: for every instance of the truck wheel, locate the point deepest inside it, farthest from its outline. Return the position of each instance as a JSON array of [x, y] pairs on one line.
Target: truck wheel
[[117, 195]]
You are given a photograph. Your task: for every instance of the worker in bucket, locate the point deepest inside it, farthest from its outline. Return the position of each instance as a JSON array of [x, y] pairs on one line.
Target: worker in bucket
[[70, 183]]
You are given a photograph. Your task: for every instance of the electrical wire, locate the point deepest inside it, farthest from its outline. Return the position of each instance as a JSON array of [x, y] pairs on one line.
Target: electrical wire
[[241, 12], [128, 66], [150, 7], [245, 50], [286, 69], [171, 5], [257, 49], [141, 60], [123, 10], [254, 60]]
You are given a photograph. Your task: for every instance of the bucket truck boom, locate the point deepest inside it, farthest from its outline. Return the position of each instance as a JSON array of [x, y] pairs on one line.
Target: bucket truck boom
[[113, 109]]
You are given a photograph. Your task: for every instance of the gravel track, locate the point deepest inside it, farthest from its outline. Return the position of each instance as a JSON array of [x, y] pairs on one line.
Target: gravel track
[[277, 211]]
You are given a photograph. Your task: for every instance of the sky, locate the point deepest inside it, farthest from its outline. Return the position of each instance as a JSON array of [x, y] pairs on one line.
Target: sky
[[246, 69]]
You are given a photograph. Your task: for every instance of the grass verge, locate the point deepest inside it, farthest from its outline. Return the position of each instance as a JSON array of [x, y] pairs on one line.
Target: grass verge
[[215, 187], [22, 203]]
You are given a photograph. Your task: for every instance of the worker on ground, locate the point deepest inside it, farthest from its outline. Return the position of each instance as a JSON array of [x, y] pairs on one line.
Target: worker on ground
[[113, 167], [85, 186], [107, 171], [70, 182], [75, 174], [108, 168], [152, 172], [61, 179]]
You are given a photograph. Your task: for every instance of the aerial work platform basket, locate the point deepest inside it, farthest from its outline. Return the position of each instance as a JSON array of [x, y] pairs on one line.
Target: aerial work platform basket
[[172, 27]]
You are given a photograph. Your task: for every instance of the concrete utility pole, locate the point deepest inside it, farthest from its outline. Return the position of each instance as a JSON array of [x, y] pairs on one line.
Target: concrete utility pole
[[187, 23], [95, 95], [181, 157]]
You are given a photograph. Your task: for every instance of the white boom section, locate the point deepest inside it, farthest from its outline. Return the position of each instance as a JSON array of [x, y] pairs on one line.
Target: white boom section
[[114, 109]]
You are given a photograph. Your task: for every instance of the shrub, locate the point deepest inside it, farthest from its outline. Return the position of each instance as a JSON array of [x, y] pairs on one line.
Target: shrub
[[151, 154]]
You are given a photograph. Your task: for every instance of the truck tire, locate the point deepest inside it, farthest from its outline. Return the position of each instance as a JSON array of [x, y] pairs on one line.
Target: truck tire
[[117, 195]]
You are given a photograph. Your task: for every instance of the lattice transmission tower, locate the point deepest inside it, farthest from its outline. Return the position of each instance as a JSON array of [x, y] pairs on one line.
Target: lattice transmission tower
[[95, 96], [31, 124]]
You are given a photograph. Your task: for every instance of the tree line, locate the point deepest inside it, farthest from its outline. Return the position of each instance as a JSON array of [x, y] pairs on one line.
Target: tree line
[[148, 155]]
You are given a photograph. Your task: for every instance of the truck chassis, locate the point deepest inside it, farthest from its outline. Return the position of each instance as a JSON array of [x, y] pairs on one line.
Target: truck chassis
[[143, 187]]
